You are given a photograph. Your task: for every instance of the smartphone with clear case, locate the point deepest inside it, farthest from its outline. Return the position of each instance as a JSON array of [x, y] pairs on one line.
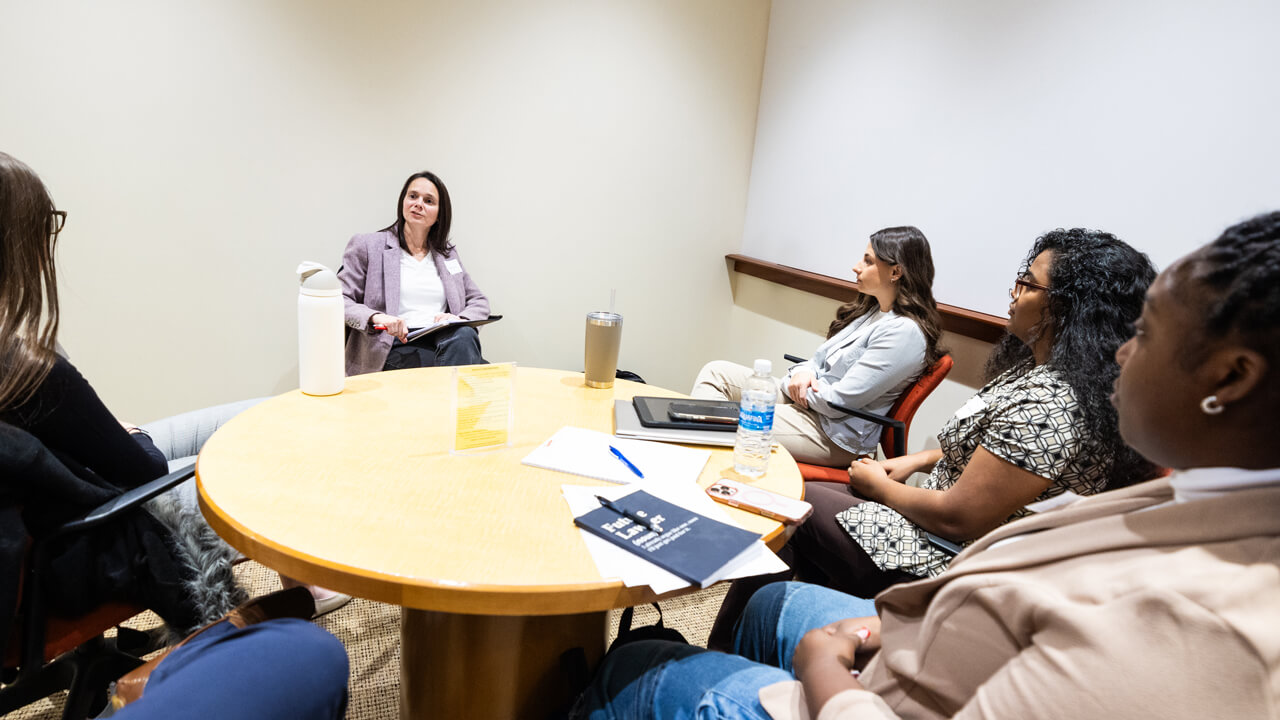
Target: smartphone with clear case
[[761, 502]]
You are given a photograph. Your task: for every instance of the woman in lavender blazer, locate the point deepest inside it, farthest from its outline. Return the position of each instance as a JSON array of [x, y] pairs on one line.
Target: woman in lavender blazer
[[408, 276]]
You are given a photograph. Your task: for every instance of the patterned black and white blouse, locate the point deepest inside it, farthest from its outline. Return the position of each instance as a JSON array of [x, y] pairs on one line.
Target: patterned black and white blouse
[[1027, 417]]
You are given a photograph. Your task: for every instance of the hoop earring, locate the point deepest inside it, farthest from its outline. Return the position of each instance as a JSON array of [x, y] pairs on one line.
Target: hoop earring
[[1211, 406]]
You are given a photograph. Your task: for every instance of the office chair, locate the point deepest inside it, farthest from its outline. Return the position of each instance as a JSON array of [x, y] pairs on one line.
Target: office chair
[[45, 653], [893, 440]]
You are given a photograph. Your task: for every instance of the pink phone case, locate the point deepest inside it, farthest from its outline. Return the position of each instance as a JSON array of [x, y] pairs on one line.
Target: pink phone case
[[762, 502]]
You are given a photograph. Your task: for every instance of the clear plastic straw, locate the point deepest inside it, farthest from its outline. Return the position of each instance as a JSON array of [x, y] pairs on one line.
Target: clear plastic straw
[[613, 295]]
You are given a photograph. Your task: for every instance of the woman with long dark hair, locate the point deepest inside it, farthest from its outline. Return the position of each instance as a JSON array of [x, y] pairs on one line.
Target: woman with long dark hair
[[165, 557], [877, 345], [1041, 427], [408, 276]]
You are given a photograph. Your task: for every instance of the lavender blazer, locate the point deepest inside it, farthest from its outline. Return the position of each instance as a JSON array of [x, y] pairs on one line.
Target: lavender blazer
[[371, 284]]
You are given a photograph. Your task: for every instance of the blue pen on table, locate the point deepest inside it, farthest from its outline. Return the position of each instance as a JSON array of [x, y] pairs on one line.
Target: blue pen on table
[[627, 513], [618, 454]]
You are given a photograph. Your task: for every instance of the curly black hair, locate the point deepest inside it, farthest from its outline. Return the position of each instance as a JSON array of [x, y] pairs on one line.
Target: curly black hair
[[1241, 273], [1097, 284]]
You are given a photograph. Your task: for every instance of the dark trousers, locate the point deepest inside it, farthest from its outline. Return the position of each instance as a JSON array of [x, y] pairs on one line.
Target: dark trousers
[[458, 346], [820, 552]]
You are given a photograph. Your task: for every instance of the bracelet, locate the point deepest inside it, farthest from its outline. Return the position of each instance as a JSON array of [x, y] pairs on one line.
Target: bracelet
[[139, 431]]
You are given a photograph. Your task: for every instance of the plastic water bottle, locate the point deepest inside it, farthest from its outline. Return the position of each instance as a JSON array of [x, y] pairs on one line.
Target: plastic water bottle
[[755, 423], [320, 361]]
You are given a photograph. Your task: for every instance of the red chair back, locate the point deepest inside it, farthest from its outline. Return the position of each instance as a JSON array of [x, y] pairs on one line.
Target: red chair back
[[66, 634], [911, 399], [903, 410]]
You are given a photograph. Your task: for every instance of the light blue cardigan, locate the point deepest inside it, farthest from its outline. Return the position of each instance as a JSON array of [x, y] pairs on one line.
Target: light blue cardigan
[[865, 366]]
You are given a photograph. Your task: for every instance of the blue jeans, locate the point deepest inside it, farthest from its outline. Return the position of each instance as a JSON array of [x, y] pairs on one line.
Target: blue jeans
[[286, 668], [657, 679]]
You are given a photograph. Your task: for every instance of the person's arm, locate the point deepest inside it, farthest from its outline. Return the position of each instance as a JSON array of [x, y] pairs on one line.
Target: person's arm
[[1147, 653], [68, 417], [1022, 450], [355, 269], [825, 659], [893, 355], [797, 383], [899, 469], [797, 379], [144, 440], [988, 492]]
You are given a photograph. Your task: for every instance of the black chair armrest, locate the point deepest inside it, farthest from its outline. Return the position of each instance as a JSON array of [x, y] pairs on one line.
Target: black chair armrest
[[33, 623], [944, 544], [899, 437], [116, 506]]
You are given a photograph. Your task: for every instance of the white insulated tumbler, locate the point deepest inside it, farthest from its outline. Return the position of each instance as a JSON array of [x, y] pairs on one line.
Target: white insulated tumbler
[[320, 330]]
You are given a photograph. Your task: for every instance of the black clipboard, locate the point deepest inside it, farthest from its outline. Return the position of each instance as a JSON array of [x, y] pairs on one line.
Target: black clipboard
[[652, 412], [423, 332]]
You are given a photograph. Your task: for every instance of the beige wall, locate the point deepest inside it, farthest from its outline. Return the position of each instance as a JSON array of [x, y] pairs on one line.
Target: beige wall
[[203, 148], [767, 320]]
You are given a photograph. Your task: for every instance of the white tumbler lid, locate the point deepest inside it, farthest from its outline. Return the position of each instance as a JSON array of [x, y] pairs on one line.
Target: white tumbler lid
[[318, 280], [763, 367]]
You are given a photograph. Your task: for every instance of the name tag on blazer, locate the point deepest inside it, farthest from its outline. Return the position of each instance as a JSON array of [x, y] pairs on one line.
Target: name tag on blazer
[[972, 407], [453, 266]]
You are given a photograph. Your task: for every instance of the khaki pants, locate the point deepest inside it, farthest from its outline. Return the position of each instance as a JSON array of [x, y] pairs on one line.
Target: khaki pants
[[794, 427]]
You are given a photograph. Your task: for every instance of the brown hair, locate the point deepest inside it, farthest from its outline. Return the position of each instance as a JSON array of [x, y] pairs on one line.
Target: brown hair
[[438, 234], [907, 248], [28, 283]]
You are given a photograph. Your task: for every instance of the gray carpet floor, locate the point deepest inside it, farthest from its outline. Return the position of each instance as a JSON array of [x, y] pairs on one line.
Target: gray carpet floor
[[371, 633]]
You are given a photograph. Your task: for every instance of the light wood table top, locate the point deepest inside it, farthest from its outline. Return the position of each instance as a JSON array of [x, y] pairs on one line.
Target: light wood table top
[[358, 492]]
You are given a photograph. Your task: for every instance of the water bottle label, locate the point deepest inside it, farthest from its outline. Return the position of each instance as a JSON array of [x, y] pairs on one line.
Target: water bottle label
[[757, 420]]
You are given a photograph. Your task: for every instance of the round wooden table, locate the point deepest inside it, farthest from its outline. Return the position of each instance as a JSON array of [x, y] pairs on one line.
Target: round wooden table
[[358, 492]]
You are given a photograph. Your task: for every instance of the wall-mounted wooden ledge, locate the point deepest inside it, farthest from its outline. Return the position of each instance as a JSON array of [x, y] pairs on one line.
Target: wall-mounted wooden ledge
[[970, 323]]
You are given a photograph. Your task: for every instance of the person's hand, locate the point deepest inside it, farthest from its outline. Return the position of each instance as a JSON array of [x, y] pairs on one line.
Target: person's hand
[[798, 387], [394, 325], [447, 318], [899, 469], [128, 426], [836, 643], [826, 658], [865, 475], [871, 645]]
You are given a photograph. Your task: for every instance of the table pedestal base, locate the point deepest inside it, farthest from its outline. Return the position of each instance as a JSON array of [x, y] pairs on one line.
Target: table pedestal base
[[490, 666]]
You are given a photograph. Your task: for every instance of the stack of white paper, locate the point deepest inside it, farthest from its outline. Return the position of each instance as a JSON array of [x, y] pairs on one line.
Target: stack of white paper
[[587, 453]]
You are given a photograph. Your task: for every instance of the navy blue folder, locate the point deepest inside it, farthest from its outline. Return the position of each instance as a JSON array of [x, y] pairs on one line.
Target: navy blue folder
[[691, 546]]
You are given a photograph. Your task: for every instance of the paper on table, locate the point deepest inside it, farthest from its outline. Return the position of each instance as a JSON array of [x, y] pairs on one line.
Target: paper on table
[[482, 406], [586, 452], [633, 570]]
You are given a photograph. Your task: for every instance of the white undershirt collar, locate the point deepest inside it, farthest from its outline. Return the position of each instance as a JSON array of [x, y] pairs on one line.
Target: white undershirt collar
[[1208, 482]]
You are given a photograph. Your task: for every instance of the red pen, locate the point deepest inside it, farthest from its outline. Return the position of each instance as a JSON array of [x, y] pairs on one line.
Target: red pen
[[379, 327]]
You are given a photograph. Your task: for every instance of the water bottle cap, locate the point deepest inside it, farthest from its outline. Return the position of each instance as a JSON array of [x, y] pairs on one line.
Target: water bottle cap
[[318, 280], [763, 367]]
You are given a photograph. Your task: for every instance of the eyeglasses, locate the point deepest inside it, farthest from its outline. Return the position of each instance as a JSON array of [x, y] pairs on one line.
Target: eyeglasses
[[1024, 283], [59, 219]]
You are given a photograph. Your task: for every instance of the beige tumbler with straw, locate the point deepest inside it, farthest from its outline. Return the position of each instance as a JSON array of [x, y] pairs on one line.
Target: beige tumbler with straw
[[604, 336]]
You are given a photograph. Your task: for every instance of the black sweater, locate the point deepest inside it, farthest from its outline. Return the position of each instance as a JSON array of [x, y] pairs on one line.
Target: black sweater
[[68, 417], [62, 453]]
